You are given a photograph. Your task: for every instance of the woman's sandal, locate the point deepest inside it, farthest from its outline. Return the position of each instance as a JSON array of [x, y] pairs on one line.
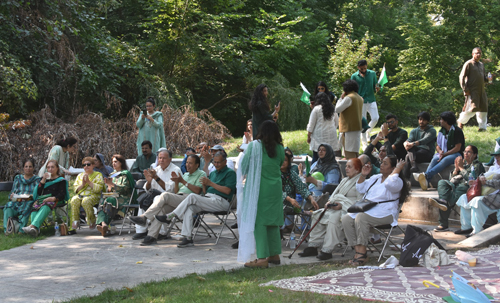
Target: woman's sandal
[[359, 261]]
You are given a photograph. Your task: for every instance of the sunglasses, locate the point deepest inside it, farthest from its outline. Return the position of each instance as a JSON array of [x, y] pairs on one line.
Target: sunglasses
[[391, 122], [87, 164]]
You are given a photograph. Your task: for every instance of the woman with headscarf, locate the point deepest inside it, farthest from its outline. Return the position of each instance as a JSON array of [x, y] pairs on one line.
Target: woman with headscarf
[[100, 165], [328, 168], [322, 126], [150, 125], [24, 184]]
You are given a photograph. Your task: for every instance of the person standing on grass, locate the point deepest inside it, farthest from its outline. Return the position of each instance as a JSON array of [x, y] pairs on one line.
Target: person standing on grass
[[260, 207], [350, 108], [472, 80]]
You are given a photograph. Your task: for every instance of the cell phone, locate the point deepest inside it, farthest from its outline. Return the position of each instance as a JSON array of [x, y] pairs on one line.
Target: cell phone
[[145, 112]]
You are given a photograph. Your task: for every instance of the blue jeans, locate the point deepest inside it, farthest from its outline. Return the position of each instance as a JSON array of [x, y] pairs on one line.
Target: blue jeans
[[436, 167]]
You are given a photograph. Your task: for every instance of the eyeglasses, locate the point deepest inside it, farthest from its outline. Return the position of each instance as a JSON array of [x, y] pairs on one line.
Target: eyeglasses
[[391, 122], [87, 164]]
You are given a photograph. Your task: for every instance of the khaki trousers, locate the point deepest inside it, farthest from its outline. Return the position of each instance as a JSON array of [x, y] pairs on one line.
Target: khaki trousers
[[328, 232], [357, 230], [166, 203]]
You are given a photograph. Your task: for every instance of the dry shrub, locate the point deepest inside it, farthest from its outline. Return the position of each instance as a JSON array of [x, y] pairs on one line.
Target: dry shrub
[[184, 128]]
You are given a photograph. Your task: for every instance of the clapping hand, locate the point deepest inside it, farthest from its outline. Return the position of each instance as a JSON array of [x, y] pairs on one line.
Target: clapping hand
[[175, 177], [205, 181]]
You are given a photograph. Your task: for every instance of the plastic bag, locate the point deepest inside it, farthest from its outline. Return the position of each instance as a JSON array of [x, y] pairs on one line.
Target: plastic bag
[[434, 256]]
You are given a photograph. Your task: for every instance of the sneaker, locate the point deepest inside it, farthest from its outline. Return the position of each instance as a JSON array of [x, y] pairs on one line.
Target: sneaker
[[463, 231], [164, 237], [423, 181], [148, 241], [439, 203], [139, 236], [186, 243], [139, 220], [257, 264], [163, 219], [31, 231], [441, 228]]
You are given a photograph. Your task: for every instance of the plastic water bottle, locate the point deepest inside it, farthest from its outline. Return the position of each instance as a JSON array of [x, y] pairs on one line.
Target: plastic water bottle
[[56, 227], [292, 241], [490, 78], [472, 174]]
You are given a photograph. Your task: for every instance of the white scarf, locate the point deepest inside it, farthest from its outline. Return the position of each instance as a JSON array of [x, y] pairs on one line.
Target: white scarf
[[248, 186]]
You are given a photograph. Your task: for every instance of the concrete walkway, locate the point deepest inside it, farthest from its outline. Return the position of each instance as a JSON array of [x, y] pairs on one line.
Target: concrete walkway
[[60, 268]]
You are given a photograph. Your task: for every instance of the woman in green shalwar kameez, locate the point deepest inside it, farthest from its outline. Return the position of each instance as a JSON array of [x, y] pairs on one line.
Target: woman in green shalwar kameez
[[122, 184], [261, 165], [151, 127]]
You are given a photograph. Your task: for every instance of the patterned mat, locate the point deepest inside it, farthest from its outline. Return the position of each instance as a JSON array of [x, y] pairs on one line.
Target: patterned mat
[[402, 284]]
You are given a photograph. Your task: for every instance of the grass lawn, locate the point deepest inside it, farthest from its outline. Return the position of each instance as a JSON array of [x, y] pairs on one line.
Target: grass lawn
[[240, 285], [296, 141]]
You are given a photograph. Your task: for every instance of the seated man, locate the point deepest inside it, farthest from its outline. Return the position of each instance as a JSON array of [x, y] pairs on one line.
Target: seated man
[[383, 150], [209, 167], [450, 191], [450, 145], [159, 179], [145, 160], [189, 151], [100, 165], [395, 135], [421, 144], [189, 183], [473, 214], [219, 187]]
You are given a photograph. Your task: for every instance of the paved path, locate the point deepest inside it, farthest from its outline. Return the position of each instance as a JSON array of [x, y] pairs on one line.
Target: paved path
[[59, 268]]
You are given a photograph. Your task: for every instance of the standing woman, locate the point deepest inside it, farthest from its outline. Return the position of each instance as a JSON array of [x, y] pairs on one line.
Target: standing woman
[[322, 88], [322, 126], [260, 207], [122, 184], [50, 192], [60, 153], [259, 105], [151, 127], [23, 184]]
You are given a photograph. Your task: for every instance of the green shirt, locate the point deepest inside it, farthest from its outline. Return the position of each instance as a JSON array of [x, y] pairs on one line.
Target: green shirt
[[366, 85], [193, 178], [225, 177], [142, 163], [426, 138]]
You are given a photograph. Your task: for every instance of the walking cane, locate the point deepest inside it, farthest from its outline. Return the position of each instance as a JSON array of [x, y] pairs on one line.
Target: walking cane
[[303, 239]]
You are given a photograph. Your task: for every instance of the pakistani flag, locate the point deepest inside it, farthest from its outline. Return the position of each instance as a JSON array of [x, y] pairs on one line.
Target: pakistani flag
[[383, 79], [305, 95]]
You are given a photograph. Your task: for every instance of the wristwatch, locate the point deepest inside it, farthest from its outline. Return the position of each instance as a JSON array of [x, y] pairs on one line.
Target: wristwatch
[[157, 179]]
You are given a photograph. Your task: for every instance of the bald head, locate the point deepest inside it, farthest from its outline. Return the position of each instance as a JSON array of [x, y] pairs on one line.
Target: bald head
[[364, 159]]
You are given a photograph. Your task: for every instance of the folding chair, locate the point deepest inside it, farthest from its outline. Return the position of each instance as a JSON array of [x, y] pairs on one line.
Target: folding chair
[[139, 185], [222, 216], [385, 231]]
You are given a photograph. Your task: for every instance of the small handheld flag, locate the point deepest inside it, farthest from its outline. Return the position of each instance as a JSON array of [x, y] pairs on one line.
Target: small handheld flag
[[305, 95], [383, 78]]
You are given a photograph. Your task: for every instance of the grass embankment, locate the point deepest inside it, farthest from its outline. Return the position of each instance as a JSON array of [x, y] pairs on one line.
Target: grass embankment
[[296, 141], [240, 285]]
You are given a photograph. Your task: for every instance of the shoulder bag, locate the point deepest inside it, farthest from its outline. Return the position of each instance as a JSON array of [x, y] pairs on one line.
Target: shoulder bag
[[365, 204]]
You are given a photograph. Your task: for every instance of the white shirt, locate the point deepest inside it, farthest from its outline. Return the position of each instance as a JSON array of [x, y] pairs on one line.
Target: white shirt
[[323, 131], [389, 190], [211, 166], [165, 175]]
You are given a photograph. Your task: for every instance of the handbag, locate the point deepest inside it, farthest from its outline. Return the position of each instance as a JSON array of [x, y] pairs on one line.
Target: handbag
[[12, 226], [474, 190], [146, 200], [365, 204], [414, 245], [63, 229]]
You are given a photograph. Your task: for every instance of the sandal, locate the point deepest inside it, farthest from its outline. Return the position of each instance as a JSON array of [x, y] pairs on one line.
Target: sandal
[[359, 261]]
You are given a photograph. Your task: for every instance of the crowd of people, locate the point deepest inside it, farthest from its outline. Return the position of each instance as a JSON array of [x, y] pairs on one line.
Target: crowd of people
[[270, 188]]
